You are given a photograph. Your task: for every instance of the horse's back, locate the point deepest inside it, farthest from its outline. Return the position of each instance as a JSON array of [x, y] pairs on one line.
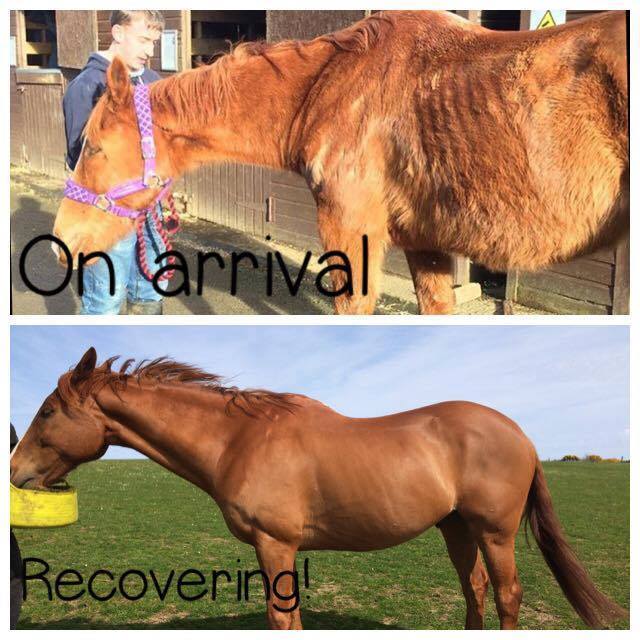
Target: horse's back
[[453, 430], [521, 145]]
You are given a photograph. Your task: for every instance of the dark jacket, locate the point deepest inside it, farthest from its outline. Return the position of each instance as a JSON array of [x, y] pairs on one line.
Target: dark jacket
[[80, 98], [14, 437]]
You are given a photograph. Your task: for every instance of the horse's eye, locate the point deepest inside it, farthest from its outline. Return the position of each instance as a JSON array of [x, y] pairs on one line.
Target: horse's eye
[[46, 412], [91, 150]]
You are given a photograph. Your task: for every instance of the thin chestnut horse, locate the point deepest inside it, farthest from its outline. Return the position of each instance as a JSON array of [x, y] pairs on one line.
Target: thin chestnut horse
[[416, 128], [291, 474]]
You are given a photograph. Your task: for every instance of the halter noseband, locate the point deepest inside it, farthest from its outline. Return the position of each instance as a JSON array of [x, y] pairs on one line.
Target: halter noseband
[[150, 179]]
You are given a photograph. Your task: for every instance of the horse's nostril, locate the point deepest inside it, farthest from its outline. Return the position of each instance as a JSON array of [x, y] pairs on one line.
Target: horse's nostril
[[20, 480]]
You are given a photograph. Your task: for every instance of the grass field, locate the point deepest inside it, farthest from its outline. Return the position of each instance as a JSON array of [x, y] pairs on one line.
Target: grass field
[[136, 515]]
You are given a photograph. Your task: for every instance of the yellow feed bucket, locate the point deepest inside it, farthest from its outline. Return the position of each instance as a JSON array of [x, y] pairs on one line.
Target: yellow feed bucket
[[36, 508]]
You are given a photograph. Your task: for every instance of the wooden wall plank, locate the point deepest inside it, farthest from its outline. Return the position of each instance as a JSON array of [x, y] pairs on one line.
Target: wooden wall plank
[[293, 193], [37, 126], [16, 119], [21, 37], [77, 37], [604, 255], [622, 279], [589, 270], [304, 24], [104, 29], [44, 138], [574, 288], [555, 303]]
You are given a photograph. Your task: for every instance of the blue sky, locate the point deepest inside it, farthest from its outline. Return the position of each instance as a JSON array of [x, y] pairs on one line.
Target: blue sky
[[566, 386]]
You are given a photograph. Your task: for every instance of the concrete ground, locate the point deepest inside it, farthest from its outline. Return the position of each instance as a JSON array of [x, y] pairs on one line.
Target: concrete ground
[[35, 198]]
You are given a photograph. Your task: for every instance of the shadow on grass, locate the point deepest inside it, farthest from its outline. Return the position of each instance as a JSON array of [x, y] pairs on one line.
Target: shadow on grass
[[310, 620]]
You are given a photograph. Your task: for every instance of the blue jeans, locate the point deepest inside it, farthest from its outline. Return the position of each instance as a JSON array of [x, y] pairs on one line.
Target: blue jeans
[[130, 282]]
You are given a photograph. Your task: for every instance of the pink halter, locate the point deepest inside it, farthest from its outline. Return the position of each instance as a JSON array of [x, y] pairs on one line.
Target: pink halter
[[150, 179]]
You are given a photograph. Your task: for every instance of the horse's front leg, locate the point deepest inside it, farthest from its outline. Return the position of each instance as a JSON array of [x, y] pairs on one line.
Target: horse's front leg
[[360, 234], [277, 561]]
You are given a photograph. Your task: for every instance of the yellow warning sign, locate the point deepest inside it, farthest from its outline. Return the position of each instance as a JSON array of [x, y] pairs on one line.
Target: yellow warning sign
[[547, 21]]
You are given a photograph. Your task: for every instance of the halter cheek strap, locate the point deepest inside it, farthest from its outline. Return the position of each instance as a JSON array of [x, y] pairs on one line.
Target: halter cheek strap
[[142, 105]]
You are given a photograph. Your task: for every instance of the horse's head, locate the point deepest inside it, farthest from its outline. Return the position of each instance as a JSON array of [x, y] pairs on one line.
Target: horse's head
[[111, 156], [67, 430]]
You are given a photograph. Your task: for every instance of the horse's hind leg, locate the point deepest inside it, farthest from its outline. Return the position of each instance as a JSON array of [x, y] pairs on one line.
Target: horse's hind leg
[[465, 555], [277, 561], [432, 274], [498, 550], [343, 230]]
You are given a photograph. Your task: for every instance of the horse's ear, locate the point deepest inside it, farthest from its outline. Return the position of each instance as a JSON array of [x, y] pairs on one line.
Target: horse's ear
[[118, 81], [85, 367]]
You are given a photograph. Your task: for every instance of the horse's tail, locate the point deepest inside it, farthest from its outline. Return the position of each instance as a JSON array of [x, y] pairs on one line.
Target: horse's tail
[[595, 609]]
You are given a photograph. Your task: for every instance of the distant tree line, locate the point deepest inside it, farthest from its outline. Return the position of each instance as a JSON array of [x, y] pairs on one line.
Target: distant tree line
[[591, 457]]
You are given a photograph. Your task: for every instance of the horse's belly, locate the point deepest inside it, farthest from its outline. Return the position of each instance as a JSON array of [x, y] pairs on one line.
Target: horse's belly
[[362, 538], [377, 523]]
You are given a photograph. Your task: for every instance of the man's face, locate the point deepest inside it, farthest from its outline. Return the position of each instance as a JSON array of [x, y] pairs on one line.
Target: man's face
[[135, 42]]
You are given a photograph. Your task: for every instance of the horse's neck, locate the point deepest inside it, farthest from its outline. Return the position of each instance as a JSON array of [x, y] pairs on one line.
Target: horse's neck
[[184, 430], [263, 98]]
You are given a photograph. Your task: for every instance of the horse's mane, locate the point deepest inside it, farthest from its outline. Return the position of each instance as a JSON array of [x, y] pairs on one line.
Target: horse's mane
[[210, 86], [252, 402]]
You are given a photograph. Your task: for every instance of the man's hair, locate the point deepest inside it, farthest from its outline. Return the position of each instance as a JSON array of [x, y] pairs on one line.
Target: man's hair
[[155, 19]]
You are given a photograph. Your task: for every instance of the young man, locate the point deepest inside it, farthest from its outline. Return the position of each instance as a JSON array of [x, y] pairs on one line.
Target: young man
[[134, 34]]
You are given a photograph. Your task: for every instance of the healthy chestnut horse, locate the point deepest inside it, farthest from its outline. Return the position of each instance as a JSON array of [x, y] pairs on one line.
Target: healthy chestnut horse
[[291, 474], [416, 128]]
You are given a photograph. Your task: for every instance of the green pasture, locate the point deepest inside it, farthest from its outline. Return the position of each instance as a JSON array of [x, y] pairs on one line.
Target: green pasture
[[136, 515]]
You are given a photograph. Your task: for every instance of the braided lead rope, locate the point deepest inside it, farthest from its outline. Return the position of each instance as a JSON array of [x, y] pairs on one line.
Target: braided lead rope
[[173, 225]]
